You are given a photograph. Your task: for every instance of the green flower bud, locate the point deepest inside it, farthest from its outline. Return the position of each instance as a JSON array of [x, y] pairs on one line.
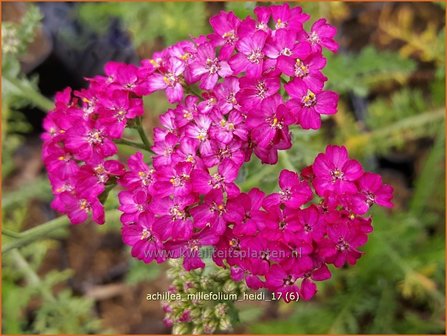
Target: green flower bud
[[10, 41], [197, 330], [229, 286], [209, 327], [172, 273], [220, 310], [181, 329], [242, 286]]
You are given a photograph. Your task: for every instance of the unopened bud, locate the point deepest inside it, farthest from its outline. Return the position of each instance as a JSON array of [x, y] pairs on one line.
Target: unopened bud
[[172, 273], [225, 324], [242, 287], [220, 310], [180, 329], [205, 281]]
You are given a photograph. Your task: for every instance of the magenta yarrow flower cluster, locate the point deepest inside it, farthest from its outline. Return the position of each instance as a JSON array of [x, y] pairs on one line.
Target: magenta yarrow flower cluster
[[235, 92]]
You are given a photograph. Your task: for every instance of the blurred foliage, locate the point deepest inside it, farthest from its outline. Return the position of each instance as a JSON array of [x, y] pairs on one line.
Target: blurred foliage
[[392, 98], [396, 135], [404, 103], [141, 272], [40, 189], [148, 22]]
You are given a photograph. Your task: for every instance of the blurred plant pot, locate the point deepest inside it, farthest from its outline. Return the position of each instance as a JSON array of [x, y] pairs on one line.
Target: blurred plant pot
[[41, 46]]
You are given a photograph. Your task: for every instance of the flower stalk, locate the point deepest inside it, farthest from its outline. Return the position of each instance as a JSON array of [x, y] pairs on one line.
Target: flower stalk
[[142, 134], [26, 91], [133, 144]]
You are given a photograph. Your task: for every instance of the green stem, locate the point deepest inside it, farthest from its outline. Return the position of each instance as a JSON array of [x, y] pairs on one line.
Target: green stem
[[10, 233], [132, 144], [105, 194], [28, 93], [143, 134], [30, 275], [40, 189]]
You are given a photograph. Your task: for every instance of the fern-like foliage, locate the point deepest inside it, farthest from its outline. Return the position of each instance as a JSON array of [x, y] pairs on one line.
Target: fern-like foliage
[[149, 22], [17, 90], [58, 312], [362, 73]]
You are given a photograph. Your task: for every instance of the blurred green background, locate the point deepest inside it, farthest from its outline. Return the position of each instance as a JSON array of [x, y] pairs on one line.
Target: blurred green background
[[390, 73]]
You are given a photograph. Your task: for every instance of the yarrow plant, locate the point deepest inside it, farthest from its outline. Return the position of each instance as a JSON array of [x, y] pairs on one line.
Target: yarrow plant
[[236, 92]]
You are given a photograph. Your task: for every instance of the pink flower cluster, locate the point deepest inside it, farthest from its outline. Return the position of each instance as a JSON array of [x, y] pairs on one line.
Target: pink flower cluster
[[79, 145], [235, 92], [284, 241]]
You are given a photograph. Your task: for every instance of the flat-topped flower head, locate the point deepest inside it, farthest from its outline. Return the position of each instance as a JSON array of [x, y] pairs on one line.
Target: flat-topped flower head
[[237, 91], [208, 67], [308, 105]]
